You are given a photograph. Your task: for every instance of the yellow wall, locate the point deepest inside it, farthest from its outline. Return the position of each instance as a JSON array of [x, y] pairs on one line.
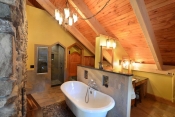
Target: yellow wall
[[44, 30], [158, 84], [73, 49], [119, 53]]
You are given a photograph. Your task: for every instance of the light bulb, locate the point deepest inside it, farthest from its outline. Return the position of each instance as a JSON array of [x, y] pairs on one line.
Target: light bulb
[[60, 20], [57, 14], [75, 17], [66, 12], [114, 44], [127, 63], [70, 21], [107, 43]]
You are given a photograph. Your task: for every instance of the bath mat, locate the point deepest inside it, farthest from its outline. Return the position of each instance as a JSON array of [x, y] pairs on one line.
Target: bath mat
[[57, 110]]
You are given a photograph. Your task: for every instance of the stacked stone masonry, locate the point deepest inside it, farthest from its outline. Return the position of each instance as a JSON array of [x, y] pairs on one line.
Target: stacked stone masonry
[[13, 54]]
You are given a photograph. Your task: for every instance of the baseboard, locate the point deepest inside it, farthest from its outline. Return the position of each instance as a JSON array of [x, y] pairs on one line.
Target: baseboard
[[160, 99]]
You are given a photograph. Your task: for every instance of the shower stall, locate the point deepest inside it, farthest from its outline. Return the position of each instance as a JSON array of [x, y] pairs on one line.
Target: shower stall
[[57, 65]]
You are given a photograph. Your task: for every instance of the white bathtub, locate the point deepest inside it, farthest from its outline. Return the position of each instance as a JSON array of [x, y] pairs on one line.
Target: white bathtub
[[99, 103]]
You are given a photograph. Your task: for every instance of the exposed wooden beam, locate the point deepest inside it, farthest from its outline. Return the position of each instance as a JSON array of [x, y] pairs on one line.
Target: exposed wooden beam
[[145, 24], [84, 11], [29, 3], [81, 38], [49, 7], [34, 3]]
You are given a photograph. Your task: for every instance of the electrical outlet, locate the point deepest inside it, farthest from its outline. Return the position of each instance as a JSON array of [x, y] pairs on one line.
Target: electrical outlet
[[31, 66], [85, 74]]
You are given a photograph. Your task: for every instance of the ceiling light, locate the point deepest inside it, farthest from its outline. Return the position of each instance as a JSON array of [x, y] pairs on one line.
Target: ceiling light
[[67, 17]]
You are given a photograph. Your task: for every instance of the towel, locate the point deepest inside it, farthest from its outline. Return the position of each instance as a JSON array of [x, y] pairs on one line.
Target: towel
[[133, 95]]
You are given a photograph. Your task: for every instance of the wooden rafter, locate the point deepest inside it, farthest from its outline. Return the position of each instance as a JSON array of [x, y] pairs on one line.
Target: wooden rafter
[[84, 11], [34, 3], [145, 24], [49, 7]]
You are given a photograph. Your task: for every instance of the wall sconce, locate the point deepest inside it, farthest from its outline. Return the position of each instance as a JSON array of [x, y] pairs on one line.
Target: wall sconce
[[107, 43], [127, 63]]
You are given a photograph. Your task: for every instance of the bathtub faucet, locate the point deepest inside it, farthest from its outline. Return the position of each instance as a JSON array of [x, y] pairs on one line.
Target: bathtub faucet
[[93, 84]]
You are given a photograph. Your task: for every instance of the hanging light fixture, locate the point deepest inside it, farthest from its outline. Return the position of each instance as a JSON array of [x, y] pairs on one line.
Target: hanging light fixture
[[67, 18]]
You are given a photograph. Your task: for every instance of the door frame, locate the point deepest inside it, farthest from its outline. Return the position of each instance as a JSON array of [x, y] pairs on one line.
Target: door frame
[[82, 57]]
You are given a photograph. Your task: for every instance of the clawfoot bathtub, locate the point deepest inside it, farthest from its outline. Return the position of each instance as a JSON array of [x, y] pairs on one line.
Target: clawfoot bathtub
[[99, 103]]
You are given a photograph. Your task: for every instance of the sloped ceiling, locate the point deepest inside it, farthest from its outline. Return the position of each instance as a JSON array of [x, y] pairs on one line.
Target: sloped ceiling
[[120, 22], [162, 16]]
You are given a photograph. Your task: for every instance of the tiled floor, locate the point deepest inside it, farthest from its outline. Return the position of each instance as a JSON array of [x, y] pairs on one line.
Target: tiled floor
[[50, 96]]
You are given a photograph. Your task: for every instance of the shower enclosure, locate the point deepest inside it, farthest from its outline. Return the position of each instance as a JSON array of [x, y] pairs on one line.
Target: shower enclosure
[[57, 65]]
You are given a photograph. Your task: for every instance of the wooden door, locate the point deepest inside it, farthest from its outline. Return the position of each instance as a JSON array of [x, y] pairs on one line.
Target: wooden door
[[74, 60], [89, 61]]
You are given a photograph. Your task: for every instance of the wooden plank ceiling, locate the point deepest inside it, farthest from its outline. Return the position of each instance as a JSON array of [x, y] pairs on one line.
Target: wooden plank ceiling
[[119, 21], [162, 16]]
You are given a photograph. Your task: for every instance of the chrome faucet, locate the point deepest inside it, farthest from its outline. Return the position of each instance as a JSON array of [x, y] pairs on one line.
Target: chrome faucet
[[93, 84]]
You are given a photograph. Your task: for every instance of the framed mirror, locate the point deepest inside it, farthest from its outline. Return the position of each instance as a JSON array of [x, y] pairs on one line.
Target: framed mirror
[[42, 60]]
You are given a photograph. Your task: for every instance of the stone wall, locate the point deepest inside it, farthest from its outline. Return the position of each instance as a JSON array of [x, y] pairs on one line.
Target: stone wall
[[13, 45]]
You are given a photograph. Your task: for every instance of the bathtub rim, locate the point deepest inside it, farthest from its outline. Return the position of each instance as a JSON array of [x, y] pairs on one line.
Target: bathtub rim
[[87, 109]]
